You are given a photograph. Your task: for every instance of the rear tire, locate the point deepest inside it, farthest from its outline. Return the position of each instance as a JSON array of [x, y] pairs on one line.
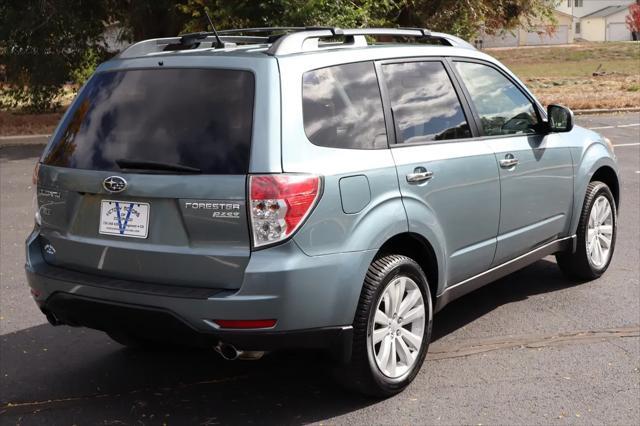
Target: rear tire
[[596, 236], [394, 315]]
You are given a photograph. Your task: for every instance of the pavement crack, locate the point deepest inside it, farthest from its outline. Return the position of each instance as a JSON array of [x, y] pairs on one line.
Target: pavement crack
[[529, 341], [52, 403]]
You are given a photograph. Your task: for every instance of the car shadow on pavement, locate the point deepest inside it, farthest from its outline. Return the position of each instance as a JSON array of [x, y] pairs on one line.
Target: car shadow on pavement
[[543, 276], [53, 375]]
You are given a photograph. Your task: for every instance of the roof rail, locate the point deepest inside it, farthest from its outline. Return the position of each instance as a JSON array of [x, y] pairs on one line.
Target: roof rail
[[286, 40], [188, 41], [260, 30], [308, 39]]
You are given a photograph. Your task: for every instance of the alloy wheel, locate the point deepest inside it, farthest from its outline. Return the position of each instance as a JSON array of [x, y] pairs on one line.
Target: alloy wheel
[[397, 329], [600, 232]]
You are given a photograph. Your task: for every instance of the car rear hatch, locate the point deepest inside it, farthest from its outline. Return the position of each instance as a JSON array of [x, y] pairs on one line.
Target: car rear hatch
[[146, 178]]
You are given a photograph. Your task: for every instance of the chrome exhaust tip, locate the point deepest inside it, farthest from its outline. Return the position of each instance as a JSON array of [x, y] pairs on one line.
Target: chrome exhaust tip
[[231, 353], [226, 351]]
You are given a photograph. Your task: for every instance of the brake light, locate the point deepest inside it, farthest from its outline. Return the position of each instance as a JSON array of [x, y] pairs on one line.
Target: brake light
[[279, 204], [34, 177]]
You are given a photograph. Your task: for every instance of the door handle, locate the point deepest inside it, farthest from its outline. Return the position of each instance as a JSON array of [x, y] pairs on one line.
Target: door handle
[[419, 176], [509, 161]]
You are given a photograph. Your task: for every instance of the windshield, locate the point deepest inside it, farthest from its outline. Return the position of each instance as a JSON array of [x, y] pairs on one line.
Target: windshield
[[198, 119]]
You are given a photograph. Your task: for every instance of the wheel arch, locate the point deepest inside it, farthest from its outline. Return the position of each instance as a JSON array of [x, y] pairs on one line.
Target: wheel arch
[[419, 249], [596, 164], [607, 175]]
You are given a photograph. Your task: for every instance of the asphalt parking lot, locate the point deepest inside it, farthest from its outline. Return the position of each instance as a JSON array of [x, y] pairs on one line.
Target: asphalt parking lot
[[532, 348]]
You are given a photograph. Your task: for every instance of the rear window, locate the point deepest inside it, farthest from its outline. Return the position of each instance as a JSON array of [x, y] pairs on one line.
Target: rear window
[[342, 107], [198, 118]]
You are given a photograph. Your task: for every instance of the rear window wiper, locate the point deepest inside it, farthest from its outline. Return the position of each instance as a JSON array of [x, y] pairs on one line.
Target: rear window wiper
[[155, 166]]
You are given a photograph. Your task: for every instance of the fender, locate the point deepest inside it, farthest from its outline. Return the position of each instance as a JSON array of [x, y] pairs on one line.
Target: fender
[[587, 162], [427, 225]]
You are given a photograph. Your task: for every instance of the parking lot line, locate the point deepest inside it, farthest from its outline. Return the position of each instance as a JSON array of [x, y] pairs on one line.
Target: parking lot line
[[619, 126], [626, 144]]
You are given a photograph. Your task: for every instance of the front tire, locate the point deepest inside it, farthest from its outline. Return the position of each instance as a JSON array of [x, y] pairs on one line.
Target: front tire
[[596, 236], [392, 328]]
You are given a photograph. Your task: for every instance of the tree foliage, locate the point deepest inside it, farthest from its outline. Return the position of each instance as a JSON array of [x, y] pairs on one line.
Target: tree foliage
[[46, 43], [41, 43], [633, 19], [466, 18]]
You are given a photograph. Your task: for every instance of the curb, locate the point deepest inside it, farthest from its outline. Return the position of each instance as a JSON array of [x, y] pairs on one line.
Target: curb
[[23, 140], [605, 111]]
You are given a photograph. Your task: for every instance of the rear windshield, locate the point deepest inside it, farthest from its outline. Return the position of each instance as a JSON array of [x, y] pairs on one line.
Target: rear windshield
[[197, 118]]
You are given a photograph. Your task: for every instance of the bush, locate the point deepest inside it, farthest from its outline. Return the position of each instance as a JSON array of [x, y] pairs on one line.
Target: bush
[[42, 43]]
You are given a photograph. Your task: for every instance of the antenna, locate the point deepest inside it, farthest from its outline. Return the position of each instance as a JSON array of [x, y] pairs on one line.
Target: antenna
[[215, 33]]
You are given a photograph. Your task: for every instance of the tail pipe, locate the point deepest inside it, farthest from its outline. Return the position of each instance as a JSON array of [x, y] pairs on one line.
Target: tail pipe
[[231, 353]]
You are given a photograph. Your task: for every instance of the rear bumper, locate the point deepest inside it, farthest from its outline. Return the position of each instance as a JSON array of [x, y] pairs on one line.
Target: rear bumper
[[313, 300], [161, 324]]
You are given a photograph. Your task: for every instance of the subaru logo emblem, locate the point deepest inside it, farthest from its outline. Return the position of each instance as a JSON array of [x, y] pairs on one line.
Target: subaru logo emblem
[[114, 184]]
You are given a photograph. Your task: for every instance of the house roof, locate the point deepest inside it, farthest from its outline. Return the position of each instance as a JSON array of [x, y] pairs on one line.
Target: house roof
[[607, 11]]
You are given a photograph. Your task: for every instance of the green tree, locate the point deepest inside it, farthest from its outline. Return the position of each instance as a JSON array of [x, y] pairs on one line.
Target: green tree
[[268, 13], [466, 18], [45, 43], [41, 43]]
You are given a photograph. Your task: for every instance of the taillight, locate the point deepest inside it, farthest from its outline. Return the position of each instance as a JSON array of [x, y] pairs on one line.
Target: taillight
[[34, 177], [279, 204], [34, 202]]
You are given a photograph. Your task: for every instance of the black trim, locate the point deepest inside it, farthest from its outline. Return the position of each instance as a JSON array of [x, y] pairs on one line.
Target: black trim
[[178, 291], [457, 290], [165, 325], [389, 120]]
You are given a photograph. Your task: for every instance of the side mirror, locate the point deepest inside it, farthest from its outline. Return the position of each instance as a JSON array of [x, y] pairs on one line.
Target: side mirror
[[560, 119]]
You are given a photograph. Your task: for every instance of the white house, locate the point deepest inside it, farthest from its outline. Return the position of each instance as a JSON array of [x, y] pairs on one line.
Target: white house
[[563, 33], [592, 20], [607, 24], [598, 20]]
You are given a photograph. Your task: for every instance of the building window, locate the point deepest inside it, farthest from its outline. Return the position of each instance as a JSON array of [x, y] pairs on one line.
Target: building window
[[577, 27], [579, 3], [568, 3]]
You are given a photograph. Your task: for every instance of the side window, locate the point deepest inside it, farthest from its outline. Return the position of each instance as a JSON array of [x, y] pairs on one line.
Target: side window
[[342, 107], [424, 103], [503, 108]]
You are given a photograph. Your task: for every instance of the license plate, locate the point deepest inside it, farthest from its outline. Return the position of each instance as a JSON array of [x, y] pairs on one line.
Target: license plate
[[124, 218]]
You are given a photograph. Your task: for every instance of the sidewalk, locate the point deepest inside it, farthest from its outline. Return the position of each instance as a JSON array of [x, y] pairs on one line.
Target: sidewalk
[[6, 141]]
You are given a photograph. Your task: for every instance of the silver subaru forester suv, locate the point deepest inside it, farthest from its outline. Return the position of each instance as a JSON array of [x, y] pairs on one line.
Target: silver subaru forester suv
[[274, 188]]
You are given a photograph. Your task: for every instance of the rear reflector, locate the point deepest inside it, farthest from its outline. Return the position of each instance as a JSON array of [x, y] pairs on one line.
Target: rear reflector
[[268, 323], [279, 204]]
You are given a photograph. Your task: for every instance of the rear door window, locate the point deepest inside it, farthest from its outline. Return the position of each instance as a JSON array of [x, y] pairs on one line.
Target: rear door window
[[342, 107], [424, 103], [199, 119]]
